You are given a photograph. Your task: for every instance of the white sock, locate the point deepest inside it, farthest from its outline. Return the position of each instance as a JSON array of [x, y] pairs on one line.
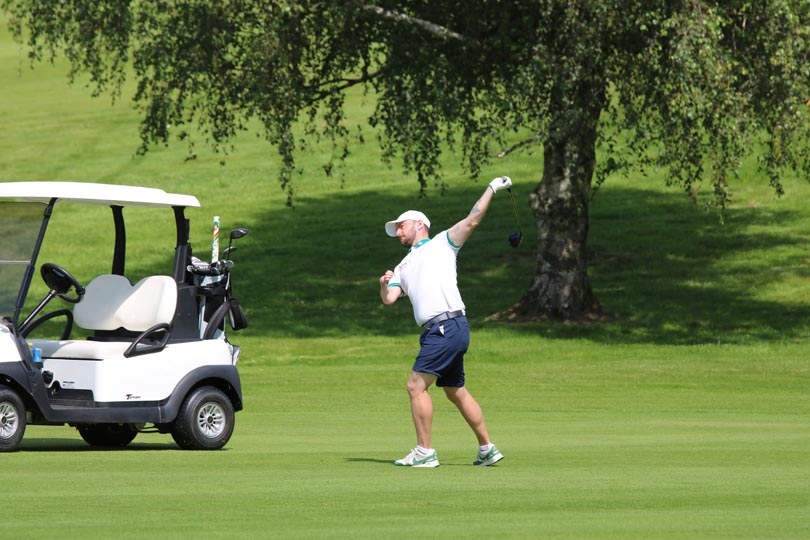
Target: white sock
[[484, 449], [423, 451]]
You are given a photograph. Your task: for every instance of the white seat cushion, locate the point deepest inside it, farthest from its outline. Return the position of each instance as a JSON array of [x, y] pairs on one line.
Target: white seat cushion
[[110, 303], [80, 349]]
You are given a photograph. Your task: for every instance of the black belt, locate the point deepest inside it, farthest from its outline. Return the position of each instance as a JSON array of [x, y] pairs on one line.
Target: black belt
[[446, 316]]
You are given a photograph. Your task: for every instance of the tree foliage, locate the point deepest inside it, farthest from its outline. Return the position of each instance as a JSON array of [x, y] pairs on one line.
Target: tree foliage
[[690, 86]]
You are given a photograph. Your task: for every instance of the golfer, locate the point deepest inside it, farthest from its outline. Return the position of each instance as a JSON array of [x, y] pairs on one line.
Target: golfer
[[427, 275]]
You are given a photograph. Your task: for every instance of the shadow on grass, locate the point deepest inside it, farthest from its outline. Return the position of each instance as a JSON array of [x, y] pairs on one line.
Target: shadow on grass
[[387, 462], [672, 273], [668, 272], [73, 445], [318, 266], [390, 462]]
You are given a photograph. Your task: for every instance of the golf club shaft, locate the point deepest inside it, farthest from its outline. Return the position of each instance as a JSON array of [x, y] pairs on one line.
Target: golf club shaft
[[514, 207]]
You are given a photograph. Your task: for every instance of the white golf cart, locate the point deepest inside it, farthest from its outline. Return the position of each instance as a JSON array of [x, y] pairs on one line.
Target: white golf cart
[[155, 356]]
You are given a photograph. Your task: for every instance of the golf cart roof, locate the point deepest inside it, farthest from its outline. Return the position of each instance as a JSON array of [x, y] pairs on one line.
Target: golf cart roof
[[88, 193]]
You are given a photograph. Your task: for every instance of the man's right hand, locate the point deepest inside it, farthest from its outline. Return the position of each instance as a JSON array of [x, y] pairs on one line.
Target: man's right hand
[[500, 183], [388, 294], [386, 277]]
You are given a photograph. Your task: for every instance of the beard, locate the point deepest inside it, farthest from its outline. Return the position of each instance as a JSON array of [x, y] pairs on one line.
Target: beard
[[406, 242]]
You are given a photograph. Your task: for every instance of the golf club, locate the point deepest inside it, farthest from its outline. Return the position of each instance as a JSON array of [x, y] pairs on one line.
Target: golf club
[[515, 239]]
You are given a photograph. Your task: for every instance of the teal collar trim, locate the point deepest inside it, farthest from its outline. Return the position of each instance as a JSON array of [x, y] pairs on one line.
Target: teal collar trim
[[419, 243]]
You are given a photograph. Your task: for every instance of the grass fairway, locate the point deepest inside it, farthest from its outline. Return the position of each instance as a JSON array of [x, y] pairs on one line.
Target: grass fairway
[[688, 417], [601, 442]]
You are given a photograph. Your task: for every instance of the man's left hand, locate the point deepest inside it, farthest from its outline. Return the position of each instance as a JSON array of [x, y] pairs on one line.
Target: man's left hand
[[500, 183]]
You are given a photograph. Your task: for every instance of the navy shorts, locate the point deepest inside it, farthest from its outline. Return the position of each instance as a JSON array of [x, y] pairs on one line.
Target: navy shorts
[[442, 353]]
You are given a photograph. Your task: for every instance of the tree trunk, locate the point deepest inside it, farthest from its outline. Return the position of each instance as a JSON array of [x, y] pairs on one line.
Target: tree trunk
[[560, 287]]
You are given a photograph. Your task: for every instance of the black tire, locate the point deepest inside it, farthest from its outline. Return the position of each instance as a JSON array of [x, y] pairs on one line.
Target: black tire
[[113, 435], [12, 419], [205, 420]]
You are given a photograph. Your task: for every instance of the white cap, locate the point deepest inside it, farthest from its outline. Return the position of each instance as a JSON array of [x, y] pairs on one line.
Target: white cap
[[391, 226]]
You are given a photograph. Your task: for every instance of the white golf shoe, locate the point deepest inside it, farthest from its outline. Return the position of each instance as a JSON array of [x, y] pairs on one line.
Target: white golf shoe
[[415, 459], [490, 458]]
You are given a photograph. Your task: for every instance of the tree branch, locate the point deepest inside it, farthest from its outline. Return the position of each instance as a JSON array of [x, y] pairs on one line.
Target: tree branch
[[433, 29], [327, 88], [521, 144], [444, 33]]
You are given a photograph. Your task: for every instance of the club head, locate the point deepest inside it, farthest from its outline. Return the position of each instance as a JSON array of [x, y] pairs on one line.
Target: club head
[[235, 234], [515, 239], [238, 233]]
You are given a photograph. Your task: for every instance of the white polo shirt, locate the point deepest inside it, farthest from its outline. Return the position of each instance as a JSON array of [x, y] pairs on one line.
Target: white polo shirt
[[427, 275]]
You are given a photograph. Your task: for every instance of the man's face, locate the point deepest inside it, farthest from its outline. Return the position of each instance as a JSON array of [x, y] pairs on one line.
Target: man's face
[[406, 232]]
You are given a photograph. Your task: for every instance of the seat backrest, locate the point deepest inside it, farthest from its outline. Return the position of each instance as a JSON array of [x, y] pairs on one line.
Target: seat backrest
[[110, 303]]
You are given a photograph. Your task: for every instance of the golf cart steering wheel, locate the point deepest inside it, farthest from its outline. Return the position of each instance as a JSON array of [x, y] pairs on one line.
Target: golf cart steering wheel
[[60, 282]]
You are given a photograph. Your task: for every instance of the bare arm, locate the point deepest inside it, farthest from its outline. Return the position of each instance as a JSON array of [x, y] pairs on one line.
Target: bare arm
[[388, 294], [462, 230]]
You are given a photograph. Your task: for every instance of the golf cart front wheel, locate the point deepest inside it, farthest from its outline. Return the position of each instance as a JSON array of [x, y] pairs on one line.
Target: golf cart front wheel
[[205, 420], [12, 419]]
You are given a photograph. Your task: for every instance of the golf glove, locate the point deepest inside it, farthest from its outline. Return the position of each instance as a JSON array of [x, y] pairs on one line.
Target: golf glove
[[500, 183]]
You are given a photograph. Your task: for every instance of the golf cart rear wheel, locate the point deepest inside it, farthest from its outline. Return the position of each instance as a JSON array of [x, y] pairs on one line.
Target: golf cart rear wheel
[[107, 434], [205, 420], [12, 419]]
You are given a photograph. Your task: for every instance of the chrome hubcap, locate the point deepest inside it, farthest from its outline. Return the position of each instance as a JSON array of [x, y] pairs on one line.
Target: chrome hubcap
[[8, 420], [211, 420]]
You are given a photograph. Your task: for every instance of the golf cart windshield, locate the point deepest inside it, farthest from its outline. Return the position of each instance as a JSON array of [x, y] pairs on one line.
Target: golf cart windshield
[[19, 226]]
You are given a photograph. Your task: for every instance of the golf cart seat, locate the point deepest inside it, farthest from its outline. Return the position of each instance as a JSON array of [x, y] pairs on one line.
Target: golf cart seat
[[114, 308], [127, 320]]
